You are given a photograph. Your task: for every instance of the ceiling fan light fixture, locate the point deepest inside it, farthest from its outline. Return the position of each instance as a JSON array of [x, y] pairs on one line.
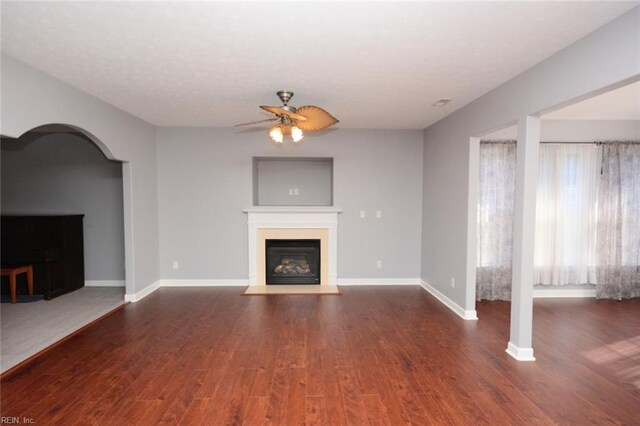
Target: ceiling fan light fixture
[[276, 134], [292, 121], [296, 134]]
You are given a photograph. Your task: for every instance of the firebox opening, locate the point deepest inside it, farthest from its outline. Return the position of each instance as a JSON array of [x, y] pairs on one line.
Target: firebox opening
[[292, 261]]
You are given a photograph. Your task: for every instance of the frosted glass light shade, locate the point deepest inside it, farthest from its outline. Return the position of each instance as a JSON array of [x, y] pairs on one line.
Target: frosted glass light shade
[[296, 134], [276, 134]]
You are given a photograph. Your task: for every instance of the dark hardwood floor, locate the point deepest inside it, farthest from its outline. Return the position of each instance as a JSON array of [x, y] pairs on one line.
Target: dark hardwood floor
[[375, 355]]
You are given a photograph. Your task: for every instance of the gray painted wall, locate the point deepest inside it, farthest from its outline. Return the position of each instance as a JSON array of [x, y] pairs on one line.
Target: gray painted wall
[[205, 180], [64, 173], [31, 98], [276, 180], [606, 58]]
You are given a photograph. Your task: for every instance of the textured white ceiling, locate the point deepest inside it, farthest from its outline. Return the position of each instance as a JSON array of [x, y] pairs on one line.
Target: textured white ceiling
[[619, 104], [372, 65]]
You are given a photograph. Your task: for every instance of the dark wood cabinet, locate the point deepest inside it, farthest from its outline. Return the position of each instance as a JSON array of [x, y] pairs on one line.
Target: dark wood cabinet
[[52, 244]]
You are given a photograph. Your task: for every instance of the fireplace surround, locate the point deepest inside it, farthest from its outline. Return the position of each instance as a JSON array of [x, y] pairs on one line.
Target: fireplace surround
[[292, 223]]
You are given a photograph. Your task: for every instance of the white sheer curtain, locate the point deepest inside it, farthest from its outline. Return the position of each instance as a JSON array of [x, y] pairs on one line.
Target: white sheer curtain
[[565, 235], [587, 218], [619, 222], [495, 219]]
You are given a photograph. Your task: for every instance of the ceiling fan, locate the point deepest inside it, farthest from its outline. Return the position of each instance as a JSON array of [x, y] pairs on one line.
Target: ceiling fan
[[294, 121]]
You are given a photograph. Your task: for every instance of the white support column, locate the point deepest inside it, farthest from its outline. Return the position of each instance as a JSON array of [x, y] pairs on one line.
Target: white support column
[[520, 338], [472, 229]]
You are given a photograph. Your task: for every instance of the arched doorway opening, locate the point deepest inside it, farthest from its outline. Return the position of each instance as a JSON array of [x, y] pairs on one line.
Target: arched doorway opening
[[50, 174]]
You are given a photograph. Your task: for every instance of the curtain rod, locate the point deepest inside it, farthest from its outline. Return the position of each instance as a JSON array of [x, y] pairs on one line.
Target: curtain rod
[[565, 143], [574, 143]]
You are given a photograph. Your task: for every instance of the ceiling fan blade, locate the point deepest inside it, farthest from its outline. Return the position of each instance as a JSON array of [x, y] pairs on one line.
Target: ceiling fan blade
[[257, 122], [281, 111], [317, 118]]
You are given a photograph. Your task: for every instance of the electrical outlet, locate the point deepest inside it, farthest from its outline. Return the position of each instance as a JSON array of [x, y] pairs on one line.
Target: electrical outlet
[[296, 191], [379, 264], [453, 282], [361, 214], [378, 214], [176, 265], [290, 191]]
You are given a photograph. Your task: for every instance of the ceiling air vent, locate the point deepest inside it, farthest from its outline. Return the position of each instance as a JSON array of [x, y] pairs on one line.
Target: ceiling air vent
[[442, 102]]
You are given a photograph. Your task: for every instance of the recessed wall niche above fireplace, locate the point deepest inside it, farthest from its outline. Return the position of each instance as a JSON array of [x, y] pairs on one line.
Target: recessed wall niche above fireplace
[[292, 181], [292, 261]]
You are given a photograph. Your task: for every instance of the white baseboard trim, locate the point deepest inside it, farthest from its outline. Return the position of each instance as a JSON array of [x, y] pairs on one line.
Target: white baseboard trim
[[204, 283], [378, 281], [462, 313], [542, 293], [104, 283], [467, 315], [521, 354], [136, 297]]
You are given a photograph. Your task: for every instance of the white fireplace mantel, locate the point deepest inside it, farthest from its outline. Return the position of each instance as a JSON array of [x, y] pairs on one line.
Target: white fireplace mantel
[[263, 218]]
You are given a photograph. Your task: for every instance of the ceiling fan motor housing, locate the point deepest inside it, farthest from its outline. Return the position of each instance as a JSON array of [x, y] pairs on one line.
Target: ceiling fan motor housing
[[284, 96]]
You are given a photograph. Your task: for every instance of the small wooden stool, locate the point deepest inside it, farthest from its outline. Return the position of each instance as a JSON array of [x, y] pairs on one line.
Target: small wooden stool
[[12, 273]]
